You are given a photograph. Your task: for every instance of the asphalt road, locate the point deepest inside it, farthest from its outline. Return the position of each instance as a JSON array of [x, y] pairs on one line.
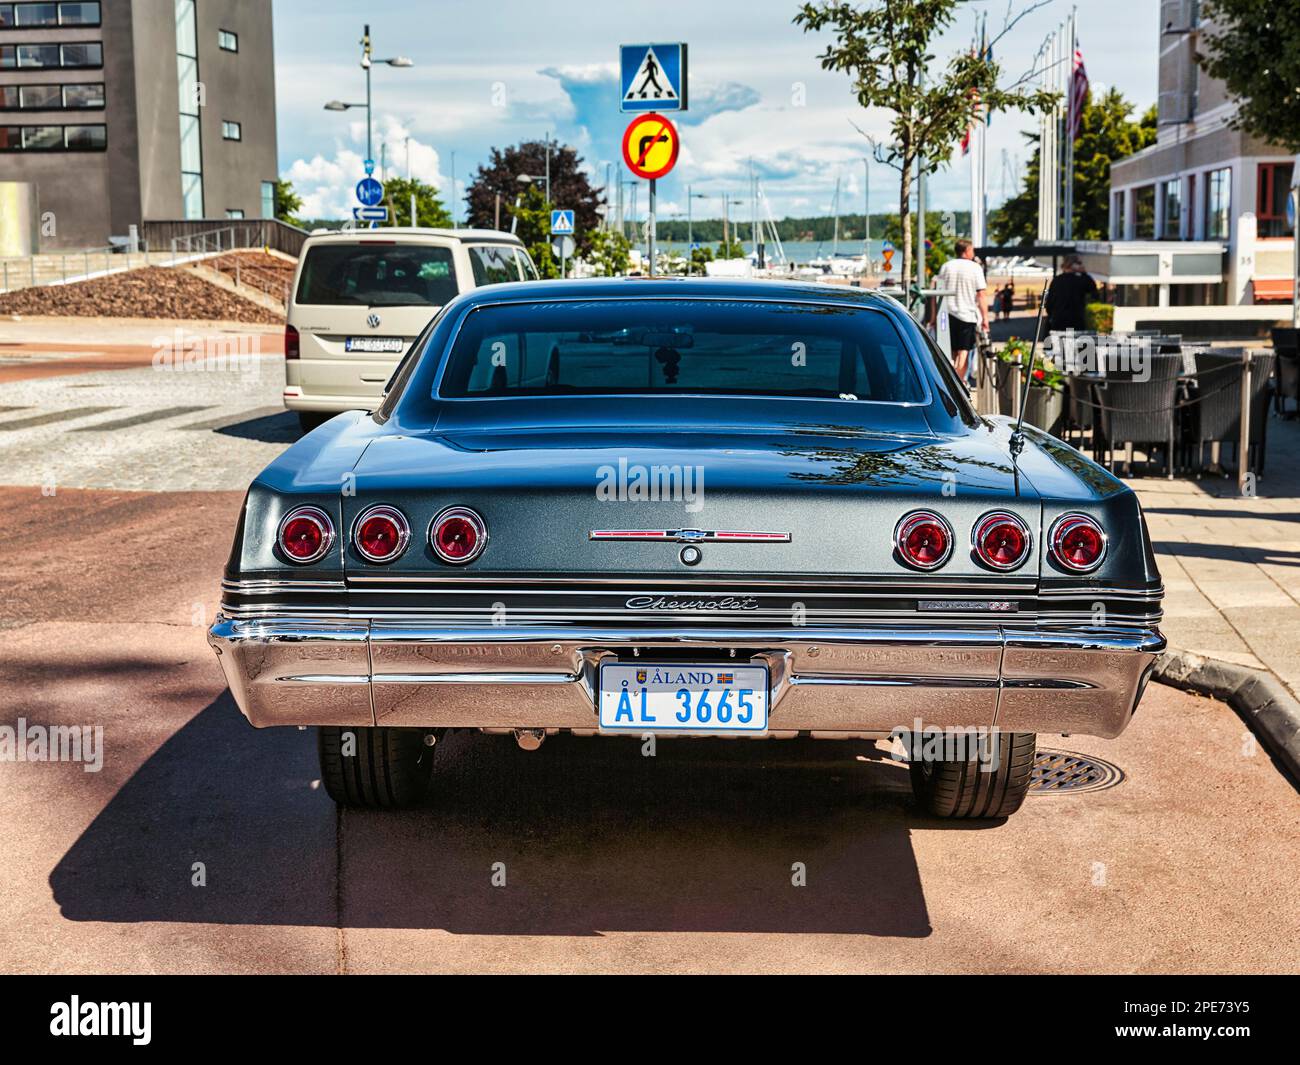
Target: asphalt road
[[612, 861]]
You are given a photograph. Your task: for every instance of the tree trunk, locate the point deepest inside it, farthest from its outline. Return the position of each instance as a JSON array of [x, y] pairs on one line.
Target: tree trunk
[[904, 218]]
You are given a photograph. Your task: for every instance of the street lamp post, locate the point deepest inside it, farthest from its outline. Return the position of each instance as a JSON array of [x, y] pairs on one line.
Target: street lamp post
[[690, 231], [367, 61]]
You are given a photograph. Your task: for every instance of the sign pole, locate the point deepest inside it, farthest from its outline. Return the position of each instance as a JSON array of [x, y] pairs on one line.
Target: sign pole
[[650, 222]]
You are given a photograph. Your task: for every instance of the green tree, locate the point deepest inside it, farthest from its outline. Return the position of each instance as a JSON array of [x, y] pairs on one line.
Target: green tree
[[570, 188], [531, 217], [1107, 133], [1253, 47], [608, 253], [287, 202], [732, 249], [884, 46], [699, 256], [429, 210]]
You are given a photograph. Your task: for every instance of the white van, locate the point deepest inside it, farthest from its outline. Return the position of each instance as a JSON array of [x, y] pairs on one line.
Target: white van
[[360, 297]]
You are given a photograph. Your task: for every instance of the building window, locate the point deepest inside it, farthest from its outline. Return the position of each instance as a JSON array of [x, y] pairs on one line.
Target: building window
[[187, 76], [1172, 209], [1144, 212], [1218, 201], [34, 15], [234, 212], [42, 138], [53, 138], [1117, 216], [29, 56], [83, 96], [85, 138], [268, 199], [227, 41], [51, 97], [231, 131], [1270, 205]]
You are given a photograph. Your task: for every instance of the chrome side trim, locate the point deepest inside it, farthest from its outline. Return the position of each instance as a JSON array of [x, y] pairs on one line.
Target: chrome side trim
[[690, 536]]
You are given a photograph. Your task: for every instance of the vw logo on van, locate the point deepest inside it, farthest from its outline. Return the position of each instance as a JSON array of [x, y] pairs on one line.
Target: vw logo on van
[[372, 320]]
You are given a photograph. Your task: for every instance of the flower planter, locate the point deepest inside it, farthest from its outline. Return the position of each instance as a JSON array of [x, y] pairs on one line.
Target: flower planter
[[1045, 409]]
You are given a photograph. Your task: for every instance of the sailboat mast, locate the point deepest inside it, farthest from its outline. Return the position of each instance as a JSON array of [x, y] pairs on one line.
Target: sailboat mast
[[835, 206]]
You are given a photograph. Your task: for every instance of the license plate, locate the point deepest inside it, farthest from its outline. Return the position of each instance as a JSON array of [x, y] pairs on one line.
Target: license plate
[[388, 345], [683, 698]]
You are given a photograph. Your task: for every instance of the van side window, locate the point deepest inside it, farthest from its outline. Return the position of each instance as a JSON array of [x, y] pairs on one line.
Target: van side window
[[493, 264]]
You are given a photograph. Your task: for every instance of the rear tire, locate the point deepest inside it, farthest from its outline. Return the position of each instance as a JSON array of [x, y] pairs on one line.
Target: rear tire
[[959, 787], [312, 419], [378, 769]]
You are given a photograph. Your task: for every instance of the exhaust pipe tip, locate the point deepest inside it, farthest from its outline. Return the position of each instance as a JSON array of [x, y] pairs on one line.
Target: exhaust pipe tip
[[530, 738]]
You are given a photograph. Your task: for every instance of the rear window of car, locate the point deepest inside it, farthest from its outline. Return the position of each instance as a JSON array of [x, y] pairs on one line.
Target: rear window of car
[[681, 346], [494, 264], [377, 275]]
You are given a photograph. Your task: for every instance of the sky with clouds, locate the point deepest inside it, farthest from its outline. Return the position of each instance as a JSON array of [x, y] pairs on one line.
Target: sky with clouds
[[490, 74]]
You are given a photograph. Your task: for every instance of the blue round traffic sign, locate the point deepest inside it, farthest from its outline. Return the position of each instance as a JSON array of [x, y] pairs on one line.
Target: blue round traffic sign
[[370, 192]]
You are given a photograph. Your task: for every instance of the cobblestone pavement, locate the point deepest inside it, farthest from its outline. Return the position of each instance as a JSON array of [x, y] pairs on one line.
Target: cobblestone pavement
[[151, 420]]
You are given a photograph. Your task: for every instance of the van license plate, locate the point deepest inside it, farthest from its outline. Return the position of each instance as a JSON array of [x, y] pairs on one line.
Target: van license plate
[[377, 345]]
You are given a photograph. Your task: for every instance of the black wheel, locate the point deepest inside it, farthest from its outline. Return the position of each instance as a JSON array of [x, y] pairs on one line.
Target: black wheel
[[960, 787], [374, 768], [311, 419]]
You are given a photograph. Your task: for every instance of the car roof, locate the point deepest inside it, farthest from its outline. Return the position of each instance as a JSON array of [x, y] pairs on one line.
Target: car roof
[[414, 234], [688, 287]]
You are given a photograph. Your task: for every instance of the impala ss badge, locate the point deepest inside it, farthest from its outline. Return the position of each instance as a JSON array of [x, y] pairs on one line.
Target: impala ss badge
[[720, 602], [373, 320]]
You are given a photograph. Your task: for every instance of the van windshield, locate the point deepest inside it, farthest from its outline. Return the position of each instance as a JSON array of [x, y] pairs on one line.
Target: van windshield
[[373, 274], [666, 346]]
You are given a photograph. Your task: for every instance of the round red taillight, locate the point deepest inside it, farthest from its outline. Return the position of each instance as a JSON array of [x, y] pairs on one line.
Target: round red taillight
[[381, 534], [305, 534], [457, 535], [923, 539], [1078, 542], [1001, 540]]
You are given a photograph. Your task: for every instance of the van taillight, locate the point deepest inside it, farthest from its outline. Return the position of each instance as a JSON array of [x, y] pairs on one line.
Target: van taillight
[[292, 346]]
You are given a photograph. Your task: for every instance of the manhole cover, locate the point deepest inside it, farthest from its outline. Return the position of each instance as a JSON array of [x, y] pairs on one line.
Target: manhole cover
[[1061, 771]]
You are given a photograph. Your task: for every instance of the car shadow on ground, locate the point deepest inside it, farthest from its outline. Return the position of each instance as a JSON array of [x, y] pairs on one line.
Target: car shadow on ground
[[282, 428], [588, 834]]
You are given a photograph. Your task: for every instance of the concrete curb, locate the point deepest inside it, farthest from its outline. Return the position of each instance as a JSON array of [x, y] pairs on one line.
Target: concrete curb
[[1259, 697]]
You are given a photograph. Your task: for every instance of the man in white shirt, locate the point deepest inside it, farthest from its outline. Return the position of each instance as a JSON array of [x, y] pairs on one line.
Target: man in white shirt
[[968, 306]]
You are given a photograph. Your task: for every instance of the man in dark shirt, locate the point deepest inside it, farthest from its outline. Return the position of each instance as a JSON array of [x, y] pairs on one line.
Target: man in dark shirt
[[1069, 294]]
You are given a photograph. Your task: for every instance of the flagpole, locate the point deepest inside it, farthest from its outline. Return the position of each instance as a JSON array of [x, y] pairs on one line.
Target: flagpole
[[1071, 120], [984, 142]]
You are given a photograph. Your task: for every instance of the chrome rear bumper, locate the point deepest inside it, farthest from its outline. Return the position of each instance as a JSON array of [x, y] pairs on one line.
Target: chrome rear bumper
[[290, 671]]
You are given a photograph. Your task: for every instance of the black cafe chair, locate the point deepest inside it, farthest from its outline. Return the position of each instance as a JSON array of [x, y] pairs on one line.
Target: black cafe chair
[[1286, 345], [1136, 411], [1218, 403]]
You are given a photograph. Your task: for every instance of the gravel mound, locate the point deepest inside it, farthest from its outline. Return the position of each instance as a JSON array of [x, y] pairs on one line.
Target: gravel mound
[[150, 292]]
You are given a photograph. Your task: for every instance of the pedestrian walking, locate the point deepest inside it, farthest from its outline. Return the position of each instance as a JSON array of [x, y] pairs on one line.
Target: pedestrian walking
[[967, 307]]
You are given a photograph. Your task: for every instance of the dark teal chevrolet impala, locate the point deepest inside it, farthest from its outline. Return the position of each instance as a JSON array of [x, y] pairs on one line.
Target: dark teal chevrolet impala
[[686, 508]]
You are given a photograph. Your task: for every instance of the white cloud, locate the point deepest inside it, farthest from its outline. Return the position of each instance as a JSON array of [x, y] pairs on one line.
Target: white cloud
[[327, 185]]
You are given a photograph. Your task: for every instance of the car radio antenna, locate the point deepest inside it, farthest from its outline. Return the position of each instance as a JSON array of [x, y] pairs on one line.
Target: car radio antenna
[[1017, 443]]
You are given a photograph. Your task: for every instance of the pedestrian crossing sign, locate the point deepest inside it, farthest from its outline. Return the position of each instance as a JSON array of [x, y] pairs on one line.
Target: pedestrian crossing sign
[[653, 77]]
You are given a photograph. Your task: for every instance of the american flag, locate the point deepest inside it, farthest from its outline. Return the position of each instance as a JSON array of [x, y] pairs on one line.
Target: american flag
[[1078, 93]]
